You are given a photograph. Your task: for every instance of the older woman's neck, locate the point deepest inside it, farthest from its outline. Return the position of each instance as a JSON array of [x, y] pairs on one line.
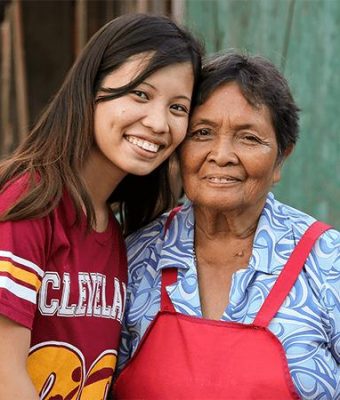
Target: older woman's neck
[[213, 224]]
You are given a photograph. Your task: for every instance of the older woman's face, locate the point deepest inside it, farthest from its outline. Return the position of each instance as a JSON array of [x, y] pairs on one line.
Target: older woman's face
[[229, 157]]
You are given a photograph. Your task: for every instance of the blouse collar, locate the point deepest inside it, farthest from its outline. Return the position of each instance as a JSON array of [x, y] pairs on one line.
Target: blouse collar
[[275, 238]]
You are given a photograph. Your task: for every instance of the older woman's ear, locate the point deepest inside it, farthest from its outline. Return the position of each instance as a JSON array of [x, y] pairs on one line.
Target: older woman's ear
[[280, 161], [288, 151], [283, 156]]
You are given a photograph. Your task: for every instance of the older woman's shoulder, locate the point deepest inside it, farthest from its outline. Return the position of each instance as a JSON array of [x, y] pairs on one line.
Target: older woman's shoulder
[[145, 245], [291, 223], [278, 214], [146, 236], [288, 224], [149, 235], [140, 247]]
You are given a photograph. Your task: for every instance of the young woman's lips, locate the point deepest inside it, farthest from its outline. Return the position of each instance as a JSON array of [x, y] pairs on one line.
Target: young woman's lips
[[144, 144]]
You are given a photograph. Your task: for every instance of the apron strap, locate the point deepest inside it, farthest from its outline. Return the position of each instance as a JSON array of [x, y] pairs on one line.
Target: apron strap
[[289, 274], [168, 221], [169, 275]]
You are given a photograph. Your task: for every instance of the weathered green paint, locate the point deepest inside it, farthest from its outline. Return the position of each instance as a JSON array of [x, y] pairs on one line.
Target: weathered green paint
[[302, 37], [313, 66]]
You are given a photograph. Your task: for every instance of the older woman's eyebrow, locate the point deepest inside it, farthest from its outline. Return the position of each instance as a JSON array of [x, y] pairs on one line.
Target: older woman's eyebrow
[[203, 121], [244, 126]]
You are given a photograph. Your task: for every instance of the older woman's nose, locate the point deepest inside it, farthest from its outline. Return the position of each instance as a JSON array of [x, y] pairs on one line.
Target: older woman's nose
[[223, 152], [157, 120]]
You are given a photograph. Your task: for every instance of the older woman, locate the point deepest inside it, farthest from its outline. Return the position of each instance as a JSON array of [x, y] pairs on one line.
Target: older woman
[[235, 295]]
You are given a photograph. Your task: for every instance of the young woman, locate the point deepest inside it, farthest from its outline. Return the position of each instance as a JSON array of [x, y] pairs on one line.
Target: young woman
[[105, 138]]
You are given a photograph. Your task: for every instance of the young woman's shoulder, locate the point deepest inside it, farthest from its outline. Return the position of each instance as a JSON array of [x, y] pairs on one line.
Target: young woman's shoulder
[[24, 248], [12, 191]]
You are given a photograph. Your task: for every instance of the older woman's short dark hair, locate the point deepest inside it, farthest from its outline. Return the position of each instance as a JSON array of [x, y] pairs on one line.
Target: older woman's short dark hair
[[261, 84]]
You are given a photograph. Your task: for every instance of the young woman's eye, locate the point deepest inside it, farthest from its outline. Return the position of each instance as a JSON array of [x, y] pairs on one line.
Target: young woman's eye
[[139, 93], [180, 108]]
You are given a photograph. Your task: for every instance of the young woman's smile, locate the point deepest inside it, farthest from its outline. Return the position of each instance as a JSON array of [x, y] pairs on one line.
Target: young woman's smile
[[144, 144], [136, 132]]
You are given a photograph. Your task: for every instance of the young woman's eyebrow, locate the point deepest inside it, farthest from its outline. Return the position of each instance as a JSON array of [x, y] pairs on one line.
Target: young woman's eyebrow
[[176, 97]]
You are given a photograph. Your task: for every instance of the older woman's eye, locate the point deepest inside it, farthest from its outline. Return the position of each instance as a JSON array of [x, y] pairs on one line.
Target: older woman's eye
[[200, 134], [252, 138]]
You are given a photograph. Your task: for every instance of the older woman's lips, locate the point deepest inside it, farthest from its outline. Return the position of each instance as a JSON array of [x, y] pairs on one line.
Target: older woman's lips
[[222, 179]]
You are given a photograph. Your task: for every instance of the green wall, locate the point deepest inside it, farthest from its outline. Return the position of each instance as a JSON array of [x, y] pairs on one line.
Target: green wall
[[302, 37]]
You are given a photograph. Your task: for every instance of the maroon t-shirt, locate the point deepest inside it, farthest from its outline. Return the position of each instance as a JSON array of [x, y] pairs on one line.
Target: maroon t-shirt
[[68, 286]]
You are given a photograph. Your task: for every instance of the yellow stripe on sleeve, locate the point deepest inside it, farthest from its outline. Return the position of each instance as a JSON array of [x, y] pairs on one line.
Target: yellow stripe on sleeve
[[22, 275]]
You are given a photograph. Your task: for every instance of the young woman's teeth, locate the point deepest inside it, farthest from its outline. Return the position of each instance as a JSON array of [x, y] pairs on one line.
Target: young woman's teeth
[[144, 144]]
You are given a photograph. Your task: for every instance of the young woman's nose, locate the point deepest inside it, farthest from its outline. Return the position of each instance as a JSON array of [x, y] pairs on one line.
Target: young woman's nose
[[223, 152], [157, 119]]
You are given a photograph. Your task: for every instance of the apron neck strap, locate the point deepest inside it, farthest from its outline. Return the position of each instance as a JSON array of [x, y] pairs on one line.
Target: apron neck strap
[[168, 221], [169, 275], [289, 274]]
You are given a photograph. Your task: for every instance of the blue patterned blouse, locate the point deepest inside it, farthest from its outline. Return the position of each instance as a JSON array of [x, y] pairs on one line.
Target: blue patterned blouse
[[307, 324]]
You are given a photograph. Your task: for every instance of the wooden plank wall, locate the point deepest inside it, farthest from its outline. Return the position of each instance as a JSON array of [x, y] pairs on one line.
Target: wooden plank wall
[[302, 37]]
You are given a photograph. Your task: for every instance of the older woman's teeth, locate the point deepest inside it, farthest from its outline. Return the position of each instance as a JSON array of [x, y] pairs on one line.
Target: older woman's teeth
[[221, 180], [144, 144]]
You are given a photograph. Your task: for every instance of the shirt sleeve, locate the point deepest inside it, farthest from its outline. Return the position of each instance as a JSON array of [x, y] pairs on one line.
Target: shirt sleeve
[[329, 248], [140, 247], [23, 255]]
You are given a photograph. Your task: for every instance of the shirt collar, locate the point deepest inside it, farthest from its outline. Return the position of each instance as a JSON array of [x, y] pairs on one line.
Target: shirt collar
[[275, 238], [177, 244]]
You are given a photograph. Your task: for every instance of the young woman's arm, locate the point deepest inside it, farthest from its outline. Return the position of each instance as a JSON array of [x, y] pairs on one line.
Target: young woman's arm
[[14, 345]]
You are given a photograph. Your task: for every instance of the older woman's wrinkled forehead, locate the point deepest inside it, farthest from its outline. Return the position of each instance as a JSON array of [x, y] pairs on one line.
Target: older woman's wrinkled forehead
[[261, 83]]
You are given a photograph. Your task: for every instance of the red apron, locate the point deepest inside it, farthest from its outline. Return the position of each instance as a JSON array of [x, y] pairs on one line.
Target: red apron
[[185, 357]]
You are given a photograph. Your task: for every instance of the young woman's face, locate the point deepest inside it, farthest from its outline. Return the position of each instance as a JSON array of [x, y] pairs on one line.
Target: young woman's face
[[135, 133]]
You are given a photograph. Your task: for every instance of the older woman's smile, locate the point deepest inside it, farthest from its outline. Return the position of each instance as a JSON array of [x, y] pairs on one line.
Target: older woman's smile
[[231, 145], [222, 179]]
